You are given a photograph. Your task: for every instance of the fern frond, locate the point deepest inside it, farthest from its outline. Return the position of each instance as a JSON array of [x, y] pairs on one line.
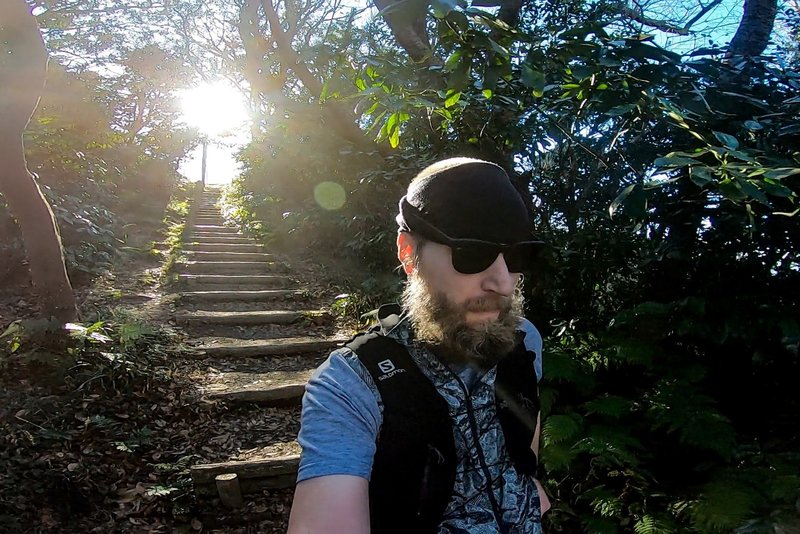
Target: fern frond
[[558, 428], [723, 506], [610, 406], [556, 457], [645, 525], [600, 525], [649, 524], [711, 431]]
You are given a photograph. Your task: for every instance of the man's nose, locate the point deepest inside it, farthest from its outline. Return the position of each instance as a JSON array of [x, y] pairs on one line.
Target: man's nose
[[498, 279]]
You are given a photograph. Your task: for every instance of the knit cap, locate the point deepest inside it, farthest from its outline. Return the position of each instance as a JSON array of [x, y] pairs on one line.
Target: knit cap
[[465, 198]]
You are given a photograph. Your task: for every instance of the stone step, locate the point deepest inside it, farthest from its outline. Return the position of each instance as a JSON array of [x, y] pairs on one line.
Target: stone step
[[207, 240], [209, 221], [216, 228], [231, 281], [204, 255], [216, 235], [224, 247], [239, 296], [254, 475], [269, 389], [227, 267], [243, 318], [239, 348]]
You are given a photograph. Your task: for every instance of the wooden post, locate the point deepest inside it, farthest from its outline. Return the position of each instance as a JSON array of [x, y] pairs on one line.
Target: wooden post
[[229, 491], [205, 157]]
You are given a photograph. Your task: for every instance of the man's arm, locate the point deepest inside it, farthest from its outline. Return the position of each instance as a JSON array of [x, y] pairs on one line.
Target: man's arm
[[339, 426], [544, 501], [331, 504]]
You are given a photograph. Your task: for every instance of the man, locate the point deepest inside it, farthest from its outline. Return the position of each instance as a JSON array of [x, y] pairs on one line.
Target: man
[[430, 422]]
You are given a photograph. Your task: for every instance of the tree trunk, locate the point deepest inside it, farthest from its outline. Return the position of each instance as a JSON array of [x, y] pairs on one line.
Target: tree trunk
[[23, 66], [752, 36], [407, 20]]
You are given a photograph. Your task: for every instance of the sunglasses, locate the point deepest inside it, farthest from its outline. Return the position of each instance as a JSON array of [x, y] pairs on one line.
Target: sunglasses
[[473, 259], [472, 256]]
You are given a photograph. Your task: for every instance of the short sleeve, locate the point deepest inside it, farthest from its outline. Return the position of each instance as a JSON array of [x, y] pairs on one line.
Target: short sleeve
[[340, 420], [533, 342]]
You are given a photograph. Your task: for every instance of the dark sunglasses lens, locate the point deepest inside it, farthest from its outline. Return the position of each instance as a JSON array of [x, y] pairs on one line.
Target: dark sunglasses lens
[[472, 260], [518, 258]]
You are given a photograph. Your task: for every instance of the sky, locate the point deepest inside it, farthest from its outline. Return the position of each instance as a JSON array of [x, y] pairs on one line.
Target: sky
[[221, 165], [218, 111]]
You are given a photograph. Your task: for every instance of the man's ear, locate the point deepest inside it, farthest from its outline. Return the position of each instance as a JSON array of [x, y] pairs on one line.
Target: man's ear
[[405, 251]]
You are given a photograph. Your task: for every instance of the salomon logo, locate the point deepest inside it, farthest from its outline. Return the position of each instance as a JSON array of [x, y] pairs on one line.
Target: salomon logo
[[389, 370]]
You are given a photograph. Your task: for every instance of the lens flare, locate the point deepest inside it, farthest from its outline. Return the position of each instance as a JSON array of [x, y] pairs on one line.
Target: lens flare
[[330, 195]]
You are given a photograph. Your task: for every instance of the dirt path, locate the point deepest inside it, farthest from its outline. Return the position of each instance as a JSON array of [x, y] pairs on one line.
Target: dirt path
[[200, 379], [257, 333]]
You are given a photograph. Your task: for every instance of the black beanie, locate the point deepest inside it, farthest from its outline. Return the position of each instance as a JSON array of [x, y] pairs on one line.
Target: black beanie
[[466, 199]]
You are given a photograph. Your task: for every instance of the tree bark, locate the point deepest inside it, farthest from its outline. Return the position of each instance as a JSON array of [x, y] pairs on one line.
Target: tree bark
[[23, 67], [407, 20], [752, 36]]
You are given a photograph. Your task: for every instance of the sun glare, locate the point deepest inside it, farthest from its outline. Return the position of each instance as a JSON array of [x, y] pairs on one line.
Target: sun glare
[[215, 108]]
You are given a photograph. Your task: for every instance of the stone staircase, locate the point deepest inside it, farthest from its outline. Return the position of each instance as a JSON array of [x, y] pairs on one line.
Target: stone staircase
[[245, 314]]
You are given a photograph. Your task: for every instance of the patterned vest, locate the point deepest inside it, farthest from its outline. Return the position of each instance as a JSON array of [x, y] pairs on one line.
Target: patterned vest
[[475, 475]]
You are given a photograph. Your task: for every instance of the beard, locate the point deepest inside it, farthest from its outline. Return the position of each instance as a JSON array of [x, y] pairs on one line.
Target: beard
[[440, 322]]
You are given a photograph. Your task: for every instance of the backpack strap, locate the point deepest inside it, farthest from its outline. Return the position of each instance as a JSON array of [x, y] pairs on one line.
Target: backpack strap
[[517, 396], [415, 461]]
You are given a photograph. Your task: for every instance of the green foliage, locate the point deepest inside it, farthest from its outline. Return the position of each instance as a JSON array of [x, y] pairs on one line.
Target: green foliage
[[108, 353], [98, 162]]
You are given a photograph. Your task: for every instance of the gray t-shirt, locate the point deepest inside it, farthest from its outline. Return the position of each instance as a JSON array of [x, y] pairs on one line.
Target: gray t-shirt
[[342, 413]]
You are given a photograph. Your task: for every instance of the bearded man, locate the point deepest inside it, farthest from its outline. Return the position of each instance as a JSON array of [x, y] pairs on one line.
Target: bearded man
[[429, 422]]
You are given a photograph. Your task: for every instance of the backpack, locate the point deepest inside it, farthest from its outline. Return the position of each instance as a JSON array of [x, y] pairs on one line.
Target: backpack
[[415, 462]]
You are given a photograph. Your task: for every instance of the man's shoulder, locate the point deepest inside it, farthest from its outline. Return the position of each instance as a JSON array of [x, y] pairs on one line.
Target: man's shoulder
[[531, 332], [533, 343]]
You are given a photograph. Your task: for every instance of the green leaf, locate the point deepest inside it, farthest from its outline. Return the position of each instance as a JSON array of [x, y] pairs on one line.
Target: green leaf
[[394, 138], [559, 428], [533, 79], [633, 198], [722, 506], [674, 161], [453, 97], [610, 405], [612, 209], [727, 140], [749, 188], [701, 175], [453, 61], [776, 190], [95, 326], [616, 111], [498, 48], [442, 8], [648, 524], [487, 93], [753, 125], [780, 173]]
